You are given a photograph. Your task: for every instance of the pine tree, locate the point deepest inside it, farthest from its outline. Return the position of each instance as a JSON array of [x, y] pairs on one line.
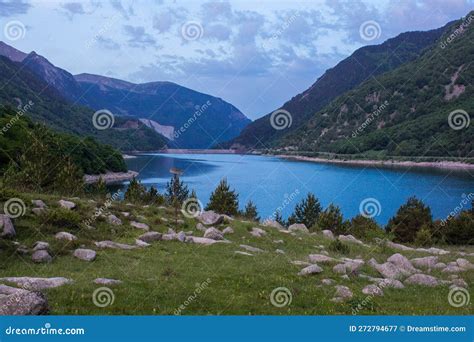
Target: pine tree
[[176, 191], [135, 191], [223, 200], [307, 211], [332, 219], [279, 219], [250, 211]]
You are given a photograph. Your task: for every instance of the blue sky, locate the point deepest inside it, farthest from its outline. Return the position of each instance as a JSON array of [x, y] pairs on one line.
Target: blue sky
[[254, 54]]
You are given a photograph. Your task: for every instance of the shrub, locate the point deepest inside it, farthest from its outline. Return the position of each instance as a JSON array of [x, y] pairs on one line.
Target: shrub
[[176, 191], [339, 247], [423, 237], [250, 212], [365, 227], [307, 211], [223, 200], [331, 218], [409, 219], [459, 230], [280, 220], [63, 218], [135, 191]]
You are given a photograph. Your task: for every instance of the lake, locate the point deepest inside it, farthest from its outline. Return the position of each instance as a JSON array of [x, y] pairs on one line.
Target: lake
[[272, 182]]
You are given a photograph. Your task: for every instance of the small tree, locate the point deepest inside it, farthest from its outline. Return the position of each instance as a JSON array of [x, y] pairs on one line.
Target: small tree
[[250, 211], [331, 218], [365, 227], [223, 200], [279, 219], [307, 211], [135, 191], [176, 191], [409, 219]]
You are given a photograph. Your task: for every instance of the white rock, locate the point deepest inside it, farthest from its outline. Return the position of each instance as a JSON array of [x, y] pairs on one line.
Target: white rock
[[65, 236], [38, 203], [328, 234], [40, 245], [41, 256], [298, 227], [311, 269], [85, 254], [67, 204], [273, 224], [228, 230], [37, 284], [402, 263], [320, 258], [114, 245], [203, 241], [210, 218], [200, 227], [392, 283], [422, 279], [213, 233], [398, 246], [243, 253], [327, 281], [141, 243], [150, 237], [463, 263], [257, 232], [107, 281], [453, 269], [7, 230], [278, 241], [342, 293], [279, 251], [372, 290], [350, 239], [20, 302], [301, 263], [251, 249], [139, 225], [458, 282], [181, 236], [426, 262], [114, 220]]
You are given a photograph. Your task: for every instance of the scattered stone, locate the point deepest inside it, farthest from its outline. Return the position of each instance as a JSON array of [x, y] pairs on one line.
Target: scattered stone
[[328, 234], [298, 227], [114, 245], [398, 246], [273, 224], [85, 254], [107, 281], [200, 227], [7, 230], [251, 249], [227, 218], [350, 239], [279, 251], [150, 237], [40, 245], [453, 269], [203, 240], [342, 293], [349, 267], [278, 241], [39, 204], [393, 283], [257, 232], [210, 218], [114, 220], [213, 233], [321, 258], [41, 256], [243, 253], [402, 263], [327, 281], [20, 302], [426, 262], [65, 236], [433, 250], [38, 211], [440, 266], [311, 269], [466, 264], [67, 204], [459, 283], [125, 214], [141, 243], [181, 236], [228, 230], [372, 290], [139, 225], [37, 284], [22, 250], [422, 279], [388, 270]]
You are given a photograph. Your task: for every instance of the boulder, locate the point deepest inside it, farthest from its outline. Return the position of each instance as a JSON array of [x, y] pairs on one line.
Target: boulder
[[463, 263], [169, 237], [85, 254], [114, 220], [273, 224], [203, 240], [458, 282], [38, 204], [6, 227], [181, 236], [372, 290], [114, 245], [257, 232], [107, 281], [453, 269], [251, 249], [243, 253], [392, 283], [40, 245], [423, 280], [389, 270], [67, 204], [426, 262], [228, 230], [37, 284], [298, 227], [440, 266], [343, 293], [150, 237], [41, 256], [20, 302], [328, 234], [327, 281], [141, 243], [65, 236], [213, 233], [348, 267], [398, 246], [402, 263], [311, 269], [210, 218], [320, 258], [139, 225], [350, 239]]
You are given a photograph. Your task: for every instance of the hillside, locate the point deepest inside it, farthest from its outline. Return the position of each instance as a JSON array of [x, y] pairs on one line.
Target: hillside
[[363, 64], [404, 112], [20, 85]]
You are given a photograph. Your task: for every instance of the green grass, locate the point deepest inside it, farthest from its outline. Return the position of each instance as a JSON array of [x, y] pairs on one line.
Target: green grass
[[160, 278]]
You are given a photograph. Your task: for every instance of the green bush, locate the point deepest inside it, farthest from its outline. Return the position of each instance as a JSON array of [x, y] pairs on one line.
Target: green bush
[[306, 211], [339, 247], [365, 228], [250, 212], [62, 218], [223, 200], [332, 219], [423, 237], [458, 230]]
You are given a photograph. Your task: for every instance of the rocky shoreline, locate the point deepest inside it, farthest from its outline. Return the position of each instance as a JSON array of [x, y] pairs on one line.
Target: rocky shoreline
[[385, 163], [110, 177]]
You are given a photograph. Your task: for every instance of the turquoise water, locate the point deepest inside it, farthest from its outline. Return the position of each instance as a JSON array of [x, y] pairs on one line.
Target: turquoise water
[[273, 182]]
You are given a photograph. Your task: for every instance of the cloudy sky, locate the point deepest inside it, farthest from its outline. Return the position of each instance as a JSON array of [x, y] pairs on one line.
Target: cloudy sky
[[254, 54]]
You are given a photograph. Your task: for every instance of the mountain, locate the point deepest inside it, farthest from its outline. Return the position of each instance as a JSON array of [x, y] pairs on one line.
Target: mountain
[[21, 85], [365, 63], [421, 108], [197, 120]]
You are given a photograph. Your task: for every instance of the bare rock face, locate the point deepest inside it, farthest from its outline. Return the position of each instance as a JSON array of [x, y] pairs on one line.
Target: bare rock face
[[150, 237], [139, 225], [85, 254], [107, 281], [7, 230], [298, 227], [328, 234], [114, 220], [20, 302], [37, 284], [311, 269], [213, 233], [65, 236], [41, 256], [67, 204], [423, 280], [114, 245], [210, 218]]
